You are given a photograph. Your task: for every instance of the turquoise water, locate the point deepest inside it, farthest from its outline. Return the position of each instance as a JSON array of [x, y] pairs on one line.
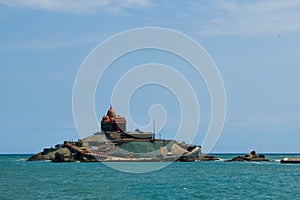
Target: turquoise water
[[197, 180]]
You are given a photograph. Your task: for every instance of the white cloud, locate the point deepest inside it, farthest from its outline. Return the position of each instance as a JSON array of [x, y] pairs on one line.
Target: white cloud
[[78, 6], [247, 17], [207, 18]]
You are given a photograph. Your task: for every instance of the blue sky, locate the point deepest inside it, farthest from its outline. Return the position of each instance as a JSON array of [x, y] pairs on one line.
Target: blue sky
[[255, 45]]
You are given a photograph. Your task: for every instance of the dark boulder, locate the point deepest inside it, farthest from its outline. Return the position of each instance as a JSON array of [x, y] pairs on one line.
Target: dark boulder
[[251, 157], [206, 157], [50, 155], [59, 157]]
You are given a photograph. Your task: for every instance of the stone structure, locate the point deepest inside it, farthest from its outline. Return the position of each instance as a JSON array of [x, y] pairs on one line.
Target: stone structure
[[112, 122], [114, 126]]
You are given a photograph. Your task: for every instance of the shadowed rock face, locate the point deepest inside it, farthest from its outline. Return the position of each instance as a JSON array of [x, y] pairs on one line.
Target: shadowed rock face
[[251, 157], [206, 157], [50, 155]]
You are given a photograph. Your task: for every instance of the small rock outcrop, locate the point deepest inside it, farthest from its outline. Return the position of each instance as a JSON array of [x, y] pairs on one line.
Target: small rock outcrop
[[59, 157], [49, 154], [290, 160], [206, 157], [251, 157]]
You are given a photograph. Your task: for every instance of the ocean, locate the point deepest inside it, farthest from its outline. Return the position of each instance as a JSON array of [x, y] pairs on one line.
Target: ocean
[[192, 180]]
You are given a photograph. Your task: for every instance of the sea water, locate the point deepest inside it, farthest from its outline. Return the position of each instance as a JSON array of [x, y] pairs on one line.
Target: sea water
[[193, 180]]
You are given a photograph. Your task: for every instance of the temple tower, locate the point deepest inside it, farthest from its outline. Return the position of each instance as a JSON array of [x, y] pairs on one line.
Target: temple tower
[[112, 122]]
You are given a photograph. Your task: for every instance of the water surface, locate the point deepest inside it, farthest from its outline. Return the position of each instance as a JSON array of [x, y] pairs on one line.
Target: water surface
[[195, 180]]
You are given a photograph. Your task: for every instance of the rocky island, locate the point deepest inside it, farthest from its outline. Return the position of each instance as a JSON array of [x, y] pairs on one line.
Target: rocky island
[[114, 144], [251, 157]]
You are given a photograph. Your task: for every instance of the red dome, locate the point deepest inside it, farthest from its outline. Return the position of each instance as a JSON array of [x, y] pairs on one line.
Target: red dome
[[105, 118], [111, 112]]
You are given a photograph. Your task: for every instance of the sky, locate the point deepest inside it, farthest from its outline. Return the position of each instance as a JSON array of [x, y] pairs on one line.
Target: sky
[[254, 44]]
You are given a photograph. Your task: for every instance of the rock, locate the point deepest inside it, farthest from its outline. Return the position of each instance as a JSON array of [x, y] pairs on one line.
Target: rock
[[95, 140], [251, 157], [36, 157], [59, 157], [50, 155], [97, 148], [206, 157], [291, 160], [258, 159]]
